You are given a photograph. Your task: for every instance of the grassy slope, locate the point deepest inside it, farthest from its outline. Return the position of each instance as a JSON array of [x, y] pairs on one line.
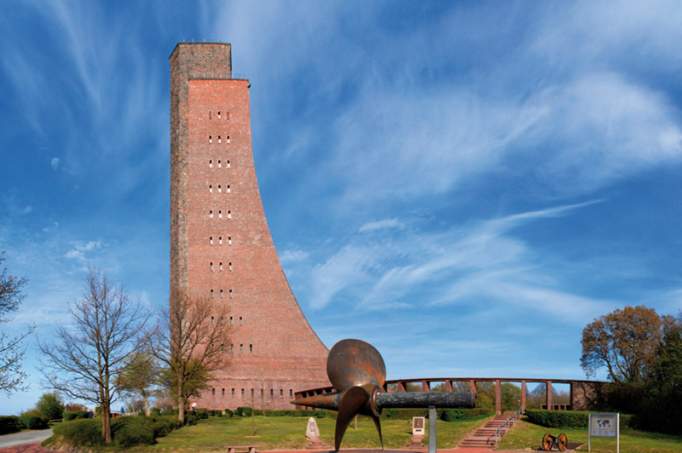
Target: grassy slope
[[289, 432], [528, 435]]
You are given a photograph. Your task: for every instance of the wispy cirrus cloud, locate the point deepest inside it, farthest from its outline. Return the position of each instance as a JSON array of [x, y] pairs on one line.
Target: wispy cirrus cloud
[[480, 263], [383, 224], [576, 123]]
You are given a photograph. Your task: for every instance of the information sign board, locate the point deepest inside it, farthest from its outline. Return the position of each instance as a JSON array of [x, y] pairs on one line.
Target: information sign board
[[603, 424]]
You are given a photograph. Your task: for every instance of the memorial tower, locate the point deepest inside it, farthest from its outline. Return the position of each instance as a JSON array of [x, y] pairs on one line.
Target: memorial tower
[[221, 246]]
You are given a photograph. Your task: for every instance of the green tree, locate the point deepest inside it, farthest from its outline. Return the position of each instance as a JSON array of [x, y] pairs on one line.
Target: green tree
[[138, 376], [661, 410], [50, 406], [625, 342], [191, 346]]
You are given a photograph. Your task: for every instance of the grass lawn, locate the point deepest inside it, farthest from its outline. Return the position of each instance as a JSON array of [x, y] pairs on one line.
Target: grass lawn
[[525, 435], [216, 433]]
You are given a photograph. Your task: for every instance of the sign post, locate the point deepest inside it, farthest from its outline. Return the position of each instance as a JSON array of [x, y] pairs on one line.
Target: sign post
[[603, 424], [433, 415]]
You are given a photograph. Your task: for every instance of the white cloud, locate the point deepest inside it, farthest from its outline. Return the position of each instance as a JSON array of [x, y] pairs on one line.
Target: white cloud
[[381, 225], [293, 256], [81, 249], [344, 269], [54, 163], [577, 122], [463, 265]]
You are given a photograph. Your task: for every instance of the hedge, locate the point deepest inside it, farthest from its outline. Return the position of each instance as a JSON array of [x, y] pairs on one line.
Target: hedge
[[10, 424], [73, 415], [162, 425], [558, 419], [451, 415], [243, 411], [80, 433], [126, 431], [129, 431], [33, 420]]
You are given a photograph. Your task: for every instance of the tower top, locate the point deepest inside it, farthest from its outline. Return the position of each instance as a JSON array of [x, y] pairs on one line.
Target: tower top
[[202, 60]]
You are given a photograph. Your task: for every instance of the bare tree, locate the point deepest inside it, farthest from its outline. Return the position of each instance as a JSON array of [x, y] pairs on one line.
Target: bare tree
[[11, 352], [86, 358], [191, 343]]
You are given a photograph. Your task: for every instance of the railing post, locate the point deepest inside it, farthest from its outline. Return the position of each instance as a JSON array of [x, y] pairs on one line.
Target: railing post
[[498, 397]]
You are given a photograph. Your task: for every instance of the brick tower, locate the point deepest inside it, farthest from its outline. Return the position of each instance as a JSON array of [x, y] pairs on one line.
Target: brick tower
[[220, 242]]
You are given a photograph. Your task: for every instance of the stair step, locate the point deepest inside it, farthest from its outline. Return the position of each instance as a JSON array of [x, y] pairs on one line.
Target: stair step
[[488, 435]]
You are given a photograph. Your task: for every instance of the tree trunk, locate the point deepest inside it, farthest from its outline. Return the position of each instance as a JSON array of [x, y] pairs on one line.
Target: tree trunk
[[147, 409], [181, 409], [106, 423]]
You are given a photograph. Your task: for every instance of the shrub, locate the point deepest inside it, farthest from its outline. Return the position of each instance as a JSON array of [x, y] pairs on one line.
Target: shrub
[[163, 425], [33, 420], [404, 414], [50, 406], [10, 424], [228, 413], [191, 419], [129, 431], [155, 411], [295, 413], [80, 433], [243, 411], [73, 415], [558, 419], [450, 415], [201, 414]]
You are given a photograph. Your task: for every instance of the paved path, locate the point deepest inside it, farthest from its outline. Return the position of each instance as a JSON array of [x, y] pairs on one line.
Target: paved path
[[24, 437]]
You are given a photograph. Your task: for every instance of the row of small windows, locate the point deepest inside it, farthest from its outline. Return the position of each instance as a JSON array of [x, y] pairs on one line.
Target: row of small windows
[[219, 115], [219, 163], [239, 321], [220, 292], [219, 214], [253, 392], [218, 240], [219, 188], [241, 347], [220, 139], [219, 266]]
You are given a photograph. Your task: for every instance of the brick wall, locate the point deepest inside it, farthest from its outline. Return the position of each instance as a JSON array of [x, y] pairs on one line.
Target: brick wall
[[217, 218]]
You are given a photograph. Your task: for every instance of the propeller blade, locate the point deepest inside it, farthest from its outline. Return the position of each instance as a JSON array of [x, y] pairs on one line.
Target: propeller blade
[[377, 424], [351, 404], [353, 363]]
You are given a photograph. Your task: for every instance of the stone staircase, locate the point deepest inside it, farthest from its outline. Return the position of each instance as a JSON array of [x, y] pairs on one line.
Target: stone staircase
[[490, 434]]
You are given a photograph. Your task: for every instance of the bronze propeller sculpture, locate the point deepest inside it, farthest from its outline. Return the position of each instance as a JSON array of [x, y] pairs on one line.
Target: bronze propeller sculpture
[[358, 374]]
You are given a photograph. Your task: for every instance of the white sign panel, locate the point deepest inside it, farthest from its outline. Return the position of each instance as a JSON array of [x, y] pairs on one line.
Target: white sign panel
[[604, 425], [418, 424]]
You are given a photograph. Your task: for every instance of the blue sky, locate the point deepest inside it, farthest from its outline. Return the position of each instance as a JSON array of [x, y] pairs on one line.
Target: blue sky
[[463, 184]]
